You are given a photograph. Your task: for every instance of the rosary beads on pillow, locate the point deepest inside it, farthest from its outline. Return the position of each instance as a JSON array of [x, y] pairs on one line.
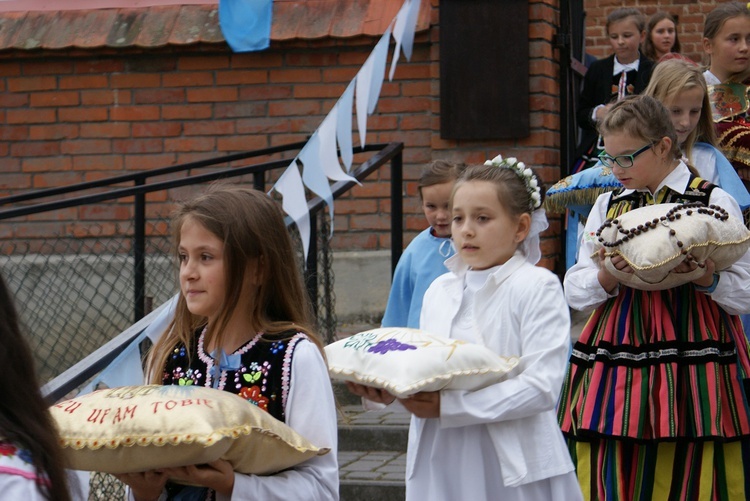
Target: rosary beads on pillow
[[654, 239]]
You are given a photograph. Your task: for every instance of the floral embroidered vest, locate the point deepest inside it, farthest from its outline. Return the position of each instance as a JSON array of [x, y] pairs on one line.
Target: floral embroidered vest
[[699, 190], [259, 371]]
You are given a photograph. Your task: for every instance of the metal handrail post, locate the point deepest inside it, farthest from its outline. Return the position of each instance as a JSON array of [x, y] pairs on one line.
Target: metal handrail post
[[139, 254], [311, 265], [397, 209]]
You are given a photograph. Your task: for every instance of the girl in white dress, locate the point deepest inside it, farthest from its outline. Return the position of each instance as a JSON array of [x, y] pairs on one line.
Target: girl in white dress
[[502, 441]]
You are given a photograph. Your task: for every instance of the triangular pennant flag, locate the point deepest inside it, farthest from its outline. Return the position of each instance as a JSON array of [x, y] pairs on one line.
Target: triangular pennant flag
[[369, 80], [328, 157], [344, 125], [403, 32], [380, 56], [156, 328], [313, 174], [294, 203], [246, 24], [126, 368]]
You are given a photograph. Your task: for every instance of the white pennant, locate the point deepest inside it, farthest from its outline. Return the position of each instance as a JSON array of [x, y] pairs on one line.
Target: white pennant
[[126, 368], [294, 203], [328, 157], [313, 174], [403, 32], [369, 80], [344, 125]]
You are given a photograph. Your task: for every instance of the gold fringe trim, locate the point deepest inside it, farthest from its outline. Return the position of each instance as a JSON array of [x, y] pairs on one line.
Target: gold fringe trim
[[635, 267], [558, 203], [734, 151]]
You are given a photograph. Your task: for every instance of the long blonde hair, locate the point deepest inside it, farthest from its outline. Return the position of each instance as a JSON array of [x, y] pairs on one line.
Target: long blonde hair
[[667, 81], [251, 226]]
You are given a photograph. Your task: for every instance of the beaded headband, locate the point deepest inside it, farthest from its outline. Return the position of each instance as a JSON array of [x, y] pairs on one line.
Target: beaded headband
[[526, 175]]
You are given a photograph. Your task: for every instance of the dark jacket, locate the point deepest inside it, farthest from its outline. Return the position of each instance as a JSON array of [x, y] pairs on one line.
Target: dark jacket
[[600, 87]]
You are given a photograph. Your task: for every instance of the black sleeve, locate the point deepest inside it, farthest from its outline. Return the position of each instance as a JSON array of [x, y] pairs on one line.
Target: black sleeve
[[592, 94]]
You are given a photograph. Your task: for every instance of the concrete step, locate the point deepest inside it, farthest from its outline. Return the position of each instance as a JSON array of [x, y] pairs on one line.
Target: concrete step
[[372, 476], [372, 450], [380, 430]]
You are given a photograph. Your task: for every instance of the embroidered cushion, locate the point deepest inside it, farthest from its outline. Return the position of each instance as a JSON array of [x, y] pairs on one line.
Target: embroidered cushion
[[656, 238], [579, 191], [405, 361], [138, 428]]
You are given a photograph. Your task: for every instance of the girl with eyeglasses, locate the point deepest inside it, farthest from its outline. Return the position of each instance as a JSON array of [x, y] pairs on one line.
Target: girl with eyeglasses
[[680, 86], [653, 405]]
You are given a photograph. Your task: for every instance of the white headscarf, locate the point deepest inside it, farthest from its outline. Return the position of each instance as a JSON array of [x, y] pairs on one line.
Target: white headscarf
[[530, 244]]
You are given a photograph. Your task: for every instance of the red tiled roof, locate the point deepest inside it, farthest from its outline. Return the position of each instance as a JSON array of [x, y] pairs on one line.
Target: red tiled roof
[[162, 25]]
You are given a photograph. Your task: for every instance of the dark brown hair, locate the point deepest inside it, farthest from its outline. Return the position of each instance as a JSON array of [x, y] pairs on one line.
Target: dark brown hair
[[24, 414], [648, 45], [439, 172], [251, 226]]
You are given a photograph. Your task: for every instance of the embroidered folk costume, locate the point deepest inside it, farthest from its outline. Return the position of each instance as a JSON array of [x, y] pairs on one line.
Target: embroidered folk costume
[[729, 103], [19, 478], [283, 374], [654, 404]]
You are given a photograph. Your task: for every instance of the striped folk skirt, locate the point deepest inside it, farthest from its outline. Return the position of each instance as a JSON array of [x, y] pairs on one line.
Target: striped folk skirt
[[655, 400]]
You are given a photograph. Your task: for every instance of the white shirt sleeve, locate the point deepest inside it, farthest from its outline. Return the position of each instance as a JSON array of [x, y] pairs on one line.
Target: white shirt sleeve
[[311, 412], [19, 487], [582, 288], [584, 292], [544, 334], [733, 290]]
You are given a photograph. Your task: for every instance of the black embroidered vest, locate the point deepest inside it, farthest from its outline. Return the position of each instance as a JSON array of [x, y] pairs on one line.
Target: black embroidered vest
[[259, 371], [699, 190]]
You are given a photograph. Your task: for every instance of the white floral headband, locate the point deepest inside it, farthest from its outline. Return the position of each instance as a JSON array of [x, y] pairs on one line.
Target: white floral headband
[[526, 174]]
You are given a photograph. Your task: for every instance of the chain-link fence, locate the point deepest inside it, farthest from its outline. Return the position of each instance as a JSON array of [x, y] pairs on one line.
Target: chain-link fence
[[75, 290]]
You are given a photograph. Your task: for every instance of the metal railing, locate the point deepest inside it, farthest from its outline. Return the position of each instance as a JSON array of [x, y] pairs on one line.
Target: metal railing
[[85, 268]]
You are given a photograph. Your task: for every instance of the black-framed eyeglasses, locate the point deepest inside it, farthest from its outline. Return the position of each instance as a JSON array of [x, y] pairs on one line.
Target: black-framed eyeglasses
[[624, 161]]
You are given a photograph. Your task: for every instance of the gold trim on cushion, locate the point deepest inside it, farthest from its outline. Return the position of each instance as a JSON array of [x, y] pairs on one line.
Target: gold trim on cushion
[[138, 428]]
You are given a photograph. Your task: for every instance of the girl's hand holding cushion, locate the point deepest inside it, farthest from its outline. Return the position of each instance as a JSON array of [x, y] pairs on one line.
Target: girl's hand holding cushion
[[375, 394], [425, 404], [606, 279], [145, 486], [705, 281], [217, 475]]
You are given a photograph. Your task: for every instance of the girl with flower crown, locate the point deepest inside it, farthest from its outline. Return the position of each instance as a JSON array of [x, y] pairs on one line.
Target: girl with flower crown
[[502, 441], [655, 402]]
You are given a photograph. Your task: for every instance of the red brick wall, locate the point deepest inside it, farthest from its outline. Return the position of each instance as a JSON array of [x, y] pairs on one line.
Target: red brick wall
[[690, 15], [77, 116]]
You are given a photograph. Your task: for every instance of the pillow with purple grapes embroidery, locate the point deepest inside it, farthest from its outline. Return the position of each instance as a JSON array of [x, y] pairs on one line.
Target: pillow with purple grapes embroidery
[[656, 238], [405, 361]]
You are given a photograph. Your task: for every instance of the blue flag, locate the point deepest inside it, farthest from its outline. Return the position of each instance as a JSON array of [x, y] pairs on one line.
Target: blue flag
[[246, 24]]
